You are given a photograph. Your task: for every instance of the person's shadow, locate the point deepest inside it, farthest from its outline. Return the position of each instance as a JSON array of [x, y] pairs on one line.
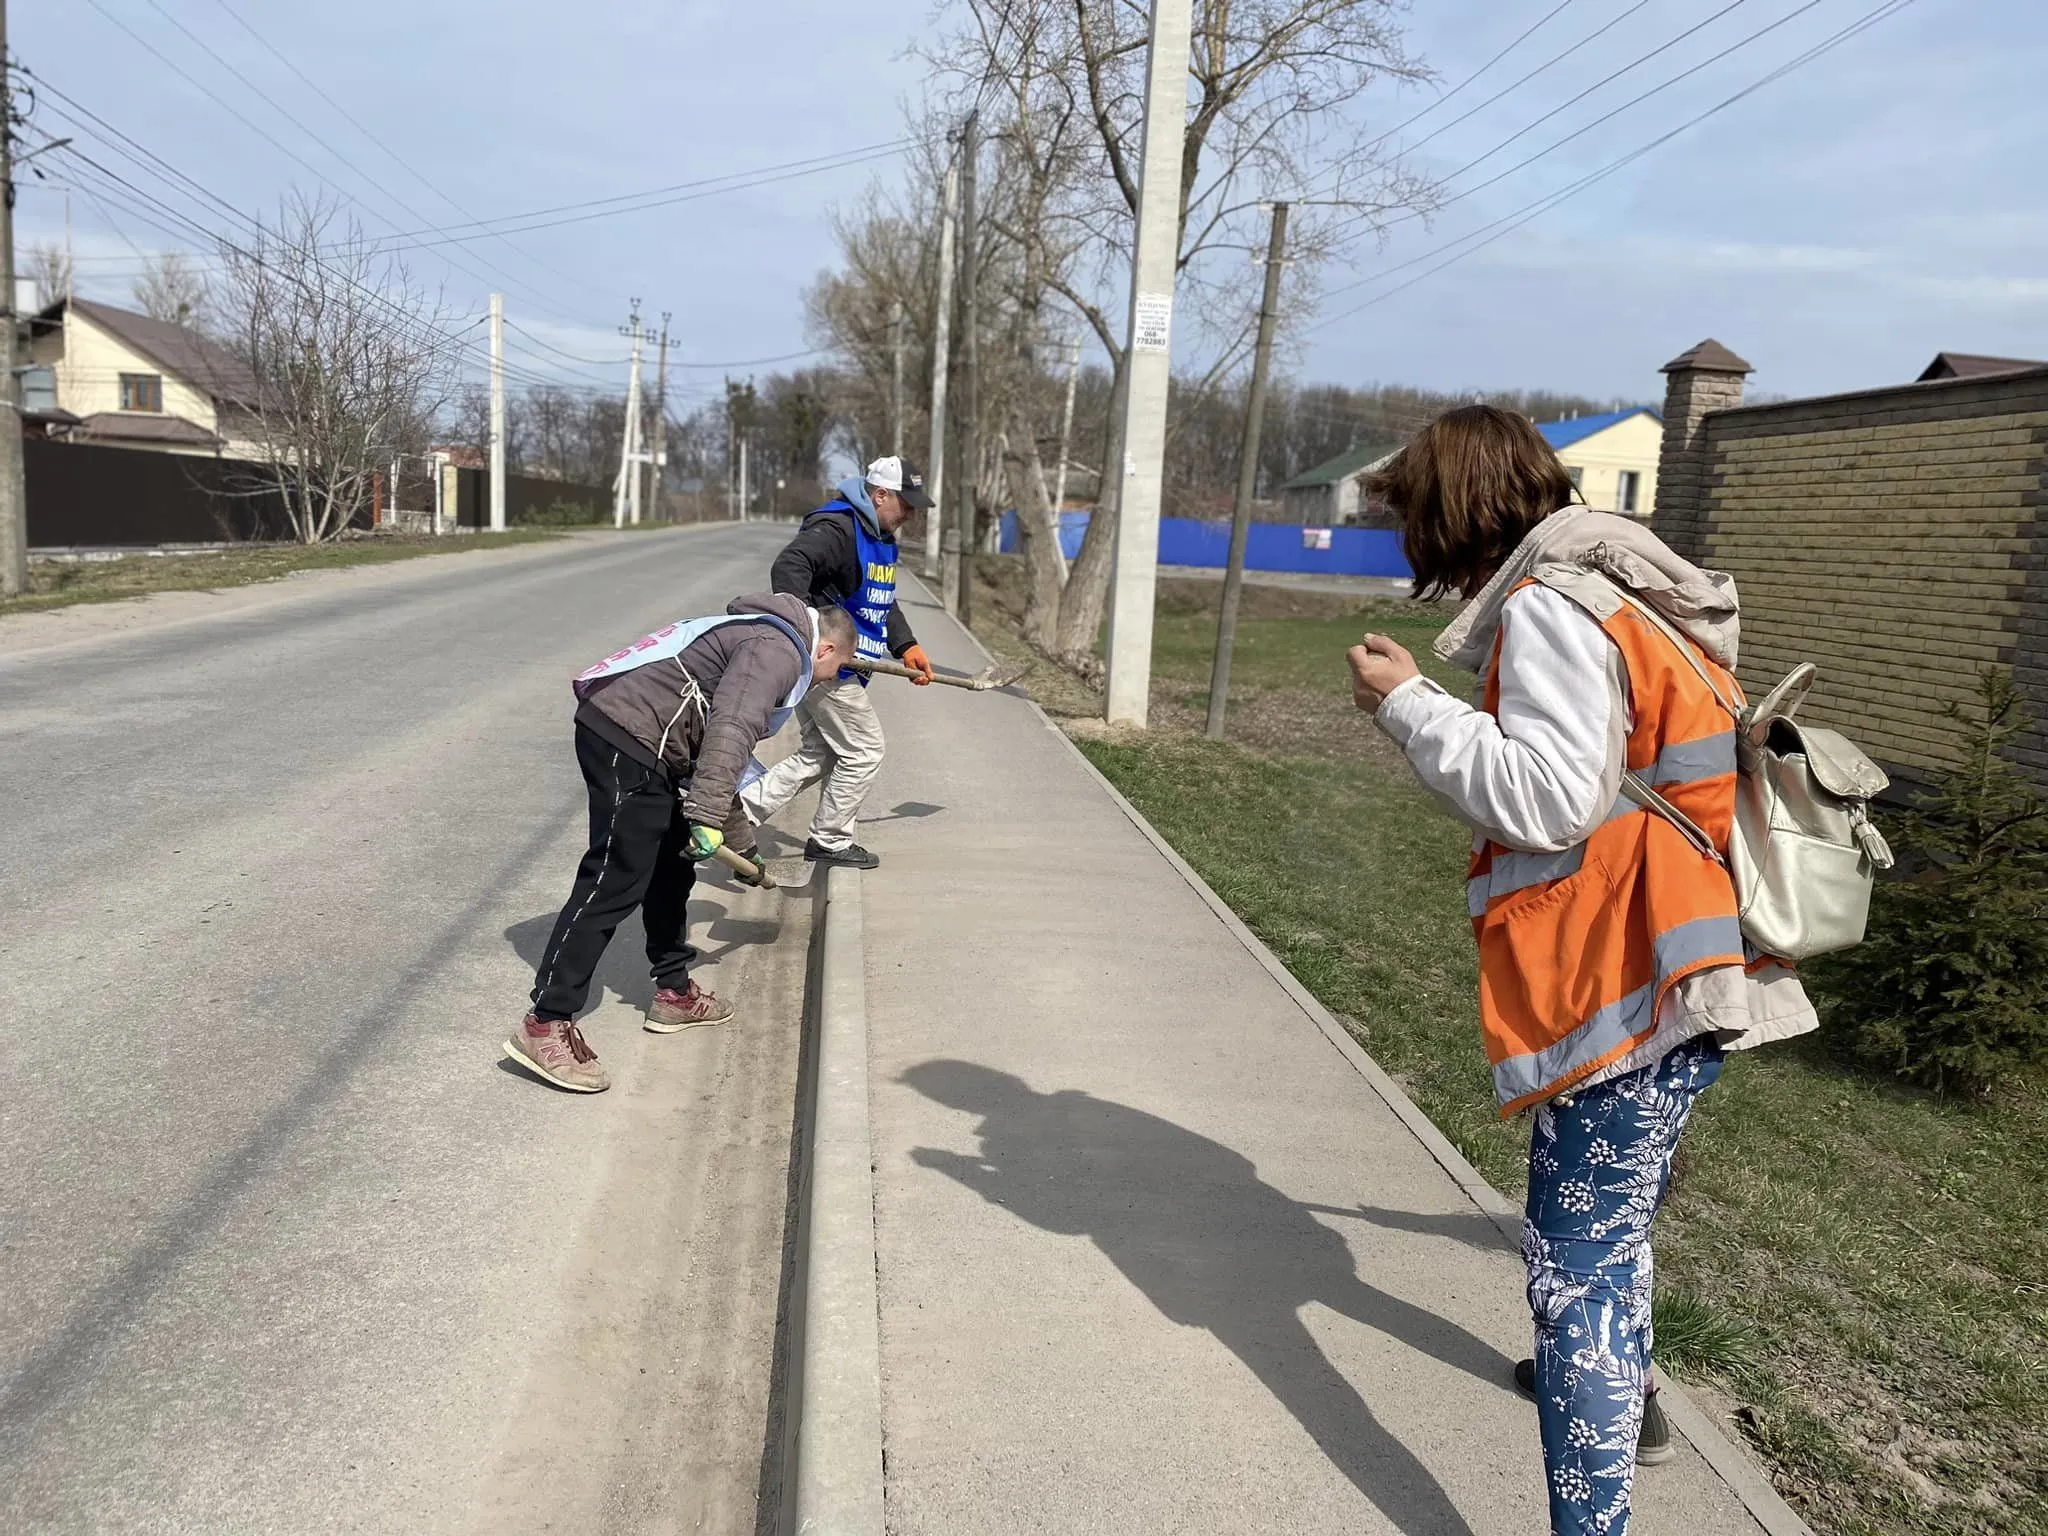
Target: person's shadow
[[1191, 1224]]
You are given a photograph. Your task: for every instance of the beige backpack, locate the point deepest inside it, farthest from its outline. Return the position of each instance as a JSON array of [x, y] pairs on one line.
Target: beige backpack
[[1804, 852]]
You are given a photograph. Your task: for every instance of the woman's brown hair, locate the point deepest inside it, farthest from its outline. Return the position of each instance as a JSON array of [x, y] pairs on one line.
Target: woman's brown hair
[[1468, 489]]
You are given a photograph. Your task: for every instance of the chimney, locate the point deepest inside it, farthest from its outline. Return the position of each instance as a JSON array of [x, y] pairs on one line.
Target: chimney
[[1708, 378]]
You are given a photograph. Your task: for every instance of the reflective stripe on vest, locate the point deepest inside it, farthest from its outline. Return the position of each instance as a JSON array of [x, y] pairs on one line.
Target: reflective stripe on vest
[[1578, 949]]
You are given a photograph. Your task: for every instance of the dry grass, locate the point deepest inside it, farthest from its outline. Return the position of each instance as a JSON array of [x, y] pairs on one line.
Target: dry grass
[[59, 583]]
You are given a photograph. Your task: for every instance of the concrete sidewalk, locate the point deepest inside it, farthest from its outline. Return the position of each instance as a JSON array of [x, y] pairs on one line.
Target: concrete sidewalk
[[1155, 1254]]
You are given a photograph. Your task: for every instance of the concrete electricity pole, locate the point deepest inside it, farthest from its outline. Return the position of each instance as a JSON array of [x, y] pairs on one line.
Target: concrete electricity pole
[[746, 515], [896, 378], [1059, 483], [1151, 364], [1247, 476], [626, 490], [660, 461], [13, 493], [942, 339], [959, 557], [497, 413]]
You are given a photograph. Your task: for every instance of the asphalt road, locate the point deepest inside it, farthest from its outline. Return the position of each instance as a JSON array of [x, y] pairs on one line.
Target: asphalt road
[[284, 1247]]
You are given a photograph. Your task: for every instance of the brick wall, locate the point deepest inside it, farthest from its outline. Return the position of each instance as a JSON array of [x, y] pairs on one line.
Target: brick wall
[[1896, 539]]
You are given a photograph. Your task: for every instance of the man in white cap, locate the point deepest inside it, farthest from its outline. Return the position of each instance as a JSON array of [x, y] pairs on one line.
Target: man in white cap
[[844, 556]]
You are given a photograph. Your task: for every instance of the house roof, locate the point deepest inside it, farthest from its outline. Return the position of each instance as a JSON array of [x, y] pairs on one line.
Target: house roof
[[1970, 365], [1576, 429], [1352, 461], [143, 427], [201, 362]]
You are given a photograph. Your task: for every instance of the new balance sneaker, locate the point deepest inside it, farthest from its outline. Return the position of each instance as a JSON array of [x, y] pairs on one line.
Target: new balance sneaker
[[556, 1052], [853, 856], [688, 1009]]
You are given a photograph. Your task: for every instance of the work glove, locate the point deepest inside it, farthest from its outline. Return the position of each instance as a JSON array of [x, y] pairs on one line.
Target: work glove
[[704, 842], [753, 857], [921, 664]]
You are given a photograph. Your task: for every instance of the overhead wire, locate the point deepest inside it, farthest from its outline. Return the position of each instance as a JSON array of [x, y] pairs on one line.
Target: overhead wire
[[1535, 209]]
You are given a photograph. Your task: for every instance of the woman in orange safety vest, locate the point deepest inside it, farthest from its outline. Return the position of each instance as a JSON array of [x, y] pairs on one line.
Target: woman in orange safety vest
[[1612, 971]]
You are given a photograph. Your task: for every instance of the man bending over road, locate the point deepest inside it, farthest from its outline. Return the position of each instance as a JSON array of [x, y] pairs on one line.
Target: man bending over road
[[664, 731], [845, 555]]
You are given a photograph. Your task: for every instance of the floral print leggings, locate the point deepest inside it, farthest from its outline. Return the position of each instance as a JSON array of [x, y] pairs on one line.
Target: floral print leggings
[[1599, 1163]]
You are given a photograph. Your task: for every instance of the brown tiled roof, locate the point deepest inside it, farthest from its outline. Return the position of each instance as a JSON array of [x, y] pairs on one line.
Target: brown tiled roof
[[1970, 365], [143, 427], [1710, 357], [201, 362]]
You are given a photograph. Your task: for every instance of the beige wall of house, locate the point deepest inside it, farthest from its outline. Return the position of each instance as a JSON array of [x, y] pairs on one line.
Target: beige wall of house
[[89, 362], [1629, 446]]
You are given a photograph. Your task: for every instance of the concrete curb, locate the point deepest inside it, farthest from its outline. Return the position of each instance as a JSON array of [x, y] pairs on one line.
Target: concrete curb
[[1729, 1462], [835, 1484]]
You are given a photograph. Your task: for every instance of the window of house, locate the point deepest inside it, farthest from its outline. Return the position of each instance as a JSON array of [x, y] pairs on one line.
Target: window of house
[[1625, 497], [1578, 476], [142, 391]]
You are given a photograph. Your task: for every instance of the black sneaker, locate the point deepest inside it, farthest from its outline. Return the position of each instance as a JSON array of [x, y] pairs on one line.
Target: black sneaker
[[853, 856], [1653, 1445]]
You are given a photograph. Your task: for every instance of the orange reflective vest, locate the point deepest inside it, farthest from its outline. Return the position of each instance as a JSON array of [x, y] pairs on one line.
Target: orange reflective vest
[[1578, 949]]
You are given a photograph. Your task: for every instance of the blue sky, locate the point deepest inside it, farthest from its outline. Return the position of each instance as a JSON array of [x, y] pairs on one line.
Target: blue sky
[[1836, 228]]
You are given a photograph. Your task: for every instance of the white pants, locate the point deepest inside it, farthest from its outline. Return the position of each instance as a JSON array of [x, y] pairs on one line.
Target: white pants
[[842, 744]]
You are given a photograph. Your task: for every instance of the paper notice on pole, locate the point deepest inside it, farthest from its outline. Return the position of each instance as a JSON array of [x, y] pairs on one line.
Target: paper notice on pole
[[1152, 322]]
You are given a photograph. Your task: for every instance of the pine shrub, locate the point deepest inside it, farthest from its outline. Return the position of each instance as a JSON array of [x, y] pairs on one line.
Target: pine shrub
[[1949, 988]]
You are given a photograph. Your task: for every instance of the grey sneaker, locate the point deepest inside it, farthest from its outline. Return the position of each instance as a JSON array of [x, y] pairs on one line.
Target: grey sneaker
[[556, 1052], [689, 1009], [1653, 1444]]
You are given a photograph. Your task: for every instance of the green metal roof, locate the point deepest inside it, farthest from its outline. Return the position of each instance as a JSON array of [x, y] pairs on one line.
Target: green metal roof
[[1342, 467]]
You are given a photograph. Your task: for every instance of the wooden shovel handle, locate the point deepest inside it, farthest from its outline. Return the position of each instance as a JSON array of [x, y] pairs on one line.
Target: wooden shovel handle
[[891, 669], [749, 872]]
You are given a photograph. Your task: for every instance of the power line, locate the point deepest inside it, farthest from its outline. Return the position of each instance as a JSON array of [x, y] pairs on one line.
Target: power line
[[1531, 31], [1584, 129], [1543, 204]]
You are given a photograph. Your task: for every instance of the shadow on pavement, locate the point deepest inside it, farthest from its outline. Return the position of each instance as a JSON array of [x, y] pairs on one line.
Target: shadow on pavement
[[1475, 1229], [623, 971], [1190, 1223]]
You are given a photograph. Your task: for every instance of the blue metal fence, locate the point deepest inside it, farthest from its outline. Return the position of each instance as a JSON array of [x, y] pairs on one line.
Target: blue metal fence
[[1268, 546]]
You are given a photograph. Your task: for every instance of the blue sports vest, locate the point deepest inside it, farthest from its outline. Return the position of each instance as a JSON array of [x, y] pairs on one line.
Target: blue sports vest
[[877, 595]]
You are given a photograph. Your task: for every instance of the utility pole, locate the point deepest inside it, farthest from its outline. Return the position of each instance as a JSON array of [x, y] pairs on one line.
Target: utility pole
[[959, 560], [896, 378], [1150, 369], [1247, 476], [13, 493], [746, 515], [626, 489], [1059, 484], [942, 338], [660, 450], [497, 410]]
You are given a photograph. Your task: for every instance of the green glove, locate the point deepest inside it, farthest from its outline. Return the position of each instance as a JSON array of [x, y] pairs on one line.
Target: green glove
[[704, 842]]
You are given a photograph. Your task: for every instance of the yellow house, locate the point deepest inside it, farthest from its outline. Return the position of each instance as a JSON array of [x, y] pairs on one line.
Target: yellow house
[[1611, 457], [134, 382]]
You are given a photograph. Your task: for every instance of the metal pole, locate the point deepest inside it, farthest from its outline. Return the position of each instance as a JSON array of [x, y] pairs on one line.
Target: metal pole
[[498, 412], [960, 581], [660, 448], [896, 378], [1059, 484], [942, 338], [1247, 477], [1151, 363]]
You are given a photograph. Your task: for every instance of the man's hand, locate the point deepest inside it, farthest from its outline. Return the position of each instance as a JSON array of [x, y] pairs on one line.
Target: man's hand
[[704, 842], [1378, 667], [921, 664]]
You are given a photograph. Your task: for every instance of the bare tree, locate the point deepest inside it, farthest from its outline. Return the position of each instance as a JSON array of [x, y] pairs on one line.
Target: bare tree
[[171, 288], [50, 265], [1270, 82], [347, 362]]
